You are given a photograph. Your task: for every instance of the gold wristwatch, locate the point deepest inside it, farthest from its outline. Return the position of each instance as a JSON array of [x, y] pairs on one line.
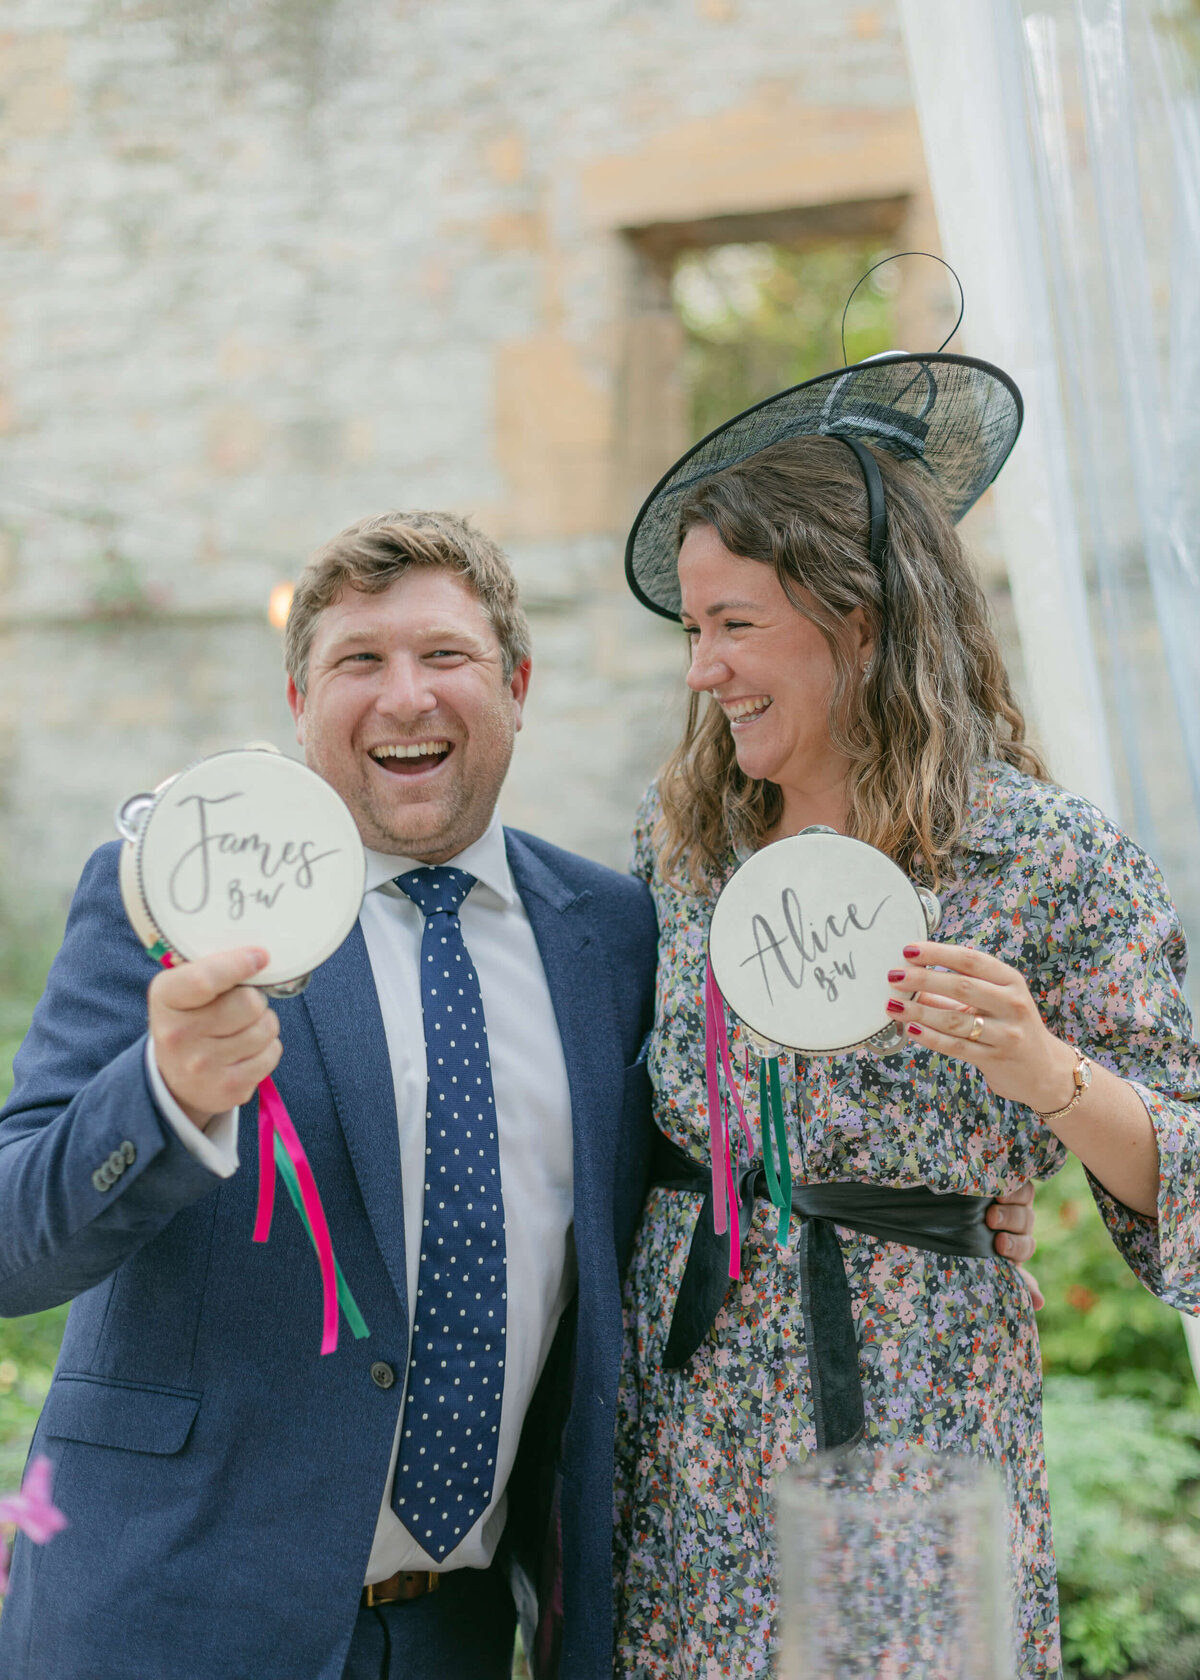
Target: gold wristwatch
[[1083, 1078]]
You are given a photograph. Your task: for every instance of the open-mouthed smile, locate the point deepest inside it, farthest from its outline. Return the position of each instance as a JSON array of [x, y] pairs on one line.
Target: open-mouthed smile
[[744, 712], [411, 758]]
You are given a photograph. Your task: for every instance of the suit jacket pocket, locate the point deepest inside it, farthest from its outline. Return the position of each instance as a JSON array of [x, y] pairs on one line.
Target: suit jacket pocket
[[105, 1412]]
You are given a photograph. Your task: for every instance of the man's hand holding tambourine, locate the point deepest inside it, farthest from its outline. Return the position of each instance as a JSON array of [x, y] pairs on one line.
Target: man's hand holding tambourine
[[215, 1037]]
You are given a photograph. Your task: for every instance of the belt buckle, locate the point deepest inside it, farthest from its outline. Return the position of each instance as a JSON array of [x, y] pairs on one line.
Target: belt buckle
[[417, 1581]]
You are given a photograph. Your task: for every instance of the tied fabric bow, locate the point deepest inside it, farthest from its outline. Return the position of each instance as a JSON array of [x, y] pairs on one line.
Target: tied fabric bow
[[725, 1141], [31, 1510], [279, 1148]]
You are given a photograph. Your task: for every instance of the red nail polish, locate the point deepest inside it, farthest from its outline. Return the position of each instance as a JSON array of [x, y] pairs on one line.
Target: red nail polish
[[895, 975], [895, 1007], [914, 1029], [911, 951]]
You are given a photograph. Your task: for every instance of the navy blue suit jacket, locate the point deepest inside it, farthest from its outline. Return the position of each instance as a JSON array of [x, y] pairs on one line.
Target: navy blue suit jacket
[[222, 1480]]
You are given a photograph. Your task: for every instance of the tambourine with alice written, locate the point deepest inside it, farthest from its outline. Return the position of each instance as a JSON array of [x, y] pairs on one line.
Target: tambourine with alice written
[[801, 939], [248, 847]]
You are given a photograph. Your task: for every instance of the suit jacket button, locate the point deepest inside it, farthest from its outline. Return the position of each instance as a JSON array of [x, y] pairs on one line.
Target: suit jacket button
[[382, 1375], [101, 1180], [128, 1153]]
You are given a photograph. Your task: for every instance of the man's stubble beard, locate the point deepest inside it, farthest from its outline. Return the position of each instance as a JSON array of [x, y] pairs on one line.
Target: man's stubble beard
[[380, 835], [465, 818]]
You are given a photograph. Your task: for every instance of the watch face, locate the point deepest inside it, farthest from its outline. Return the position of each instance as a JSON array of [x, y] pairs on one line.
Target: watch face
[[1083, 1075]]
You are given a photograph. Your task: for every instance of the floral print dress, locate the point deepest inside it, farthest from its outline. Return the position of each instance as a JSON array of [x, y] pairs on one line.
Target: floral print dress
[[948, 1347]]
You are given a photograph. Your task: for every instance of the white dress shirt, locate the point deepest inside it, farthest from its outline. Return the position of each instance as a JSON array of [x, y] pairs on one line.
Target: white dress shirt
[[533, 1115]]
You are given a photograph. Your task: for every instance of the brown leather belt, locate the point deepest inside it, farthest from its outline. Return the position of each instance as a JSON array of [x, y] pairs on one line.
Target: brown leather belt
[[404, 1584]]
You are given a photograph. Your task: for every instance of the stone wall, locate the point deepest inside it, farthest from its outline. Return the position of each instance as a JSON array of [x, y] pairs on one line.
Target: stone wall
[[270, 265]]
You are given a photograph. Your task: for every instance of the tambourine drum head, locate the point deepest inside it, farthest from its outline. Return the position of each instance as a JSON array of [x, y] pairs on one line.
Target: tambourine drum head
[[251, 848], [803, 935]]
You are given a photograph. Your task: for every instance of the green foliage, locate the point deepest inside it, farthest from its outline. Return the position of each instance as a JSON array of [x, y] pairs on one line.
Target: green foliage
[[760, 318], [28, 1349], [1098, 1320], [1125, 1493], [1122, 1422], [27, 944]]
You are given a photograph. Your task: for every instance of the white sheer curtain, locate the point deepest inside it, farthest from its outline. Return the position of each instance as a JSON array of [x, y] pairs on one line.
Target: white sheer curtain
[[967, 77], [1063, 146], [1114, 127]]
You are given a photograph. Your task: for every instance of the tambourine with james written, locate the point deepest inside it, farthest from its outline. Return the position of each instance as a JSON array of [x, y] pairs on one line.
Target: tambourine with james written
[[245, 847], [801, 939], [248, 847]]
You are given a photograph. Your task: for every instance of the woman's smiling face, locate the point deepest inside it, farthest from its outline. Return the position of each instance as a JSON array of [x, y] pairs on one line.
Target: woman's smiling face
[[766, 665]]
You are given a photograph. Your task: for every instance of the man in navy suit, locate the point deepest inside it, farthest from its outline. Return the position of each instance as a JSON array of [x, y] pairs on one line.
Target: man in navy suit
[[241, 1508]]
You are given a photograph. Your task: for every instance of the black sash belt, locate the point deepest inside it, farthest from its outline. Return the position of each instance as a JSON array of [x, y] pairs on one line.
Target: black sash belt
[[916, 1216]]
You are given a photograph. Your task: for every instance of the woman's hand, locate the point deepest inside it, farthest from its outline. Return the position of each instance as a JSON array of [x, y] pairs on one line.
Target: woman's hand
[[962, 1002]]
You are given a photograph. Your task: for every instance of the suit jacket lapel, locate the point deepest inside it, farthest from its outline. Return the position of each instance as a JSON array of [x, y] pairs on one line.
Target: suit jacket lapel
[[344, 1009], [580, 983]]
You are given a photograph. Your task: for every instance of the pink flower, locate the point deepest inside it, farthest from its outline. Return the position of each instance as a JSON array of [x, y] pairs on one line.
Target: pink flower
[[32, 1509]]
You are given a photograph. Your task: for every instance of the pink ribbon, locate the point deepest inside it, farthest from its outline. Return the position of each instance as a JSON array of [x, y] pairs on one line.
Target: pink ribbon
[[273, 1117], [716, 1041], [718, 1145]]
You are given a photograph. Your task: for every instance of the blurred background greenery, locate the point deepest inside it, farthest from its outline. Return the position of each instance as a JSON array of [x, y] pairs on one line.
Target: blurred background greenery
[[760, 317], [28, 1346]]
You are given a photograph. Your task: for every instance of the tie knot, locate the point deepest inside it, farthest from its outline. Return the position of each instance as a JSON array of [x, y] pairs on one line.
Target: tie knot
[[438, 891]]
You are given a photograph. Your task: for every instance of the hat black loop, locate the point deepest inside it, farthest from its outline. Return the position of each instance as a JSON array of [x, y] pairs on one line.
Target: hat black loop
[[962, 301]]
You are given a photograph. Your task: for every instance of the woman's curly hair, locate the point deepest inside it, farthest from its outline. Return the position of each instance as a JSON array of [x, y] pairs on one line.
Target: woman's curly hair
[[935, 702]]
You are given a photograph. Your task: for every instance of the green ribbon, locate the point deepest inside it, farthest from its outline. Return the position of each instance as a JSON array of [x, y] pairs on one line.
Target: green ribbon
[[771, 1122], [346, 1300]]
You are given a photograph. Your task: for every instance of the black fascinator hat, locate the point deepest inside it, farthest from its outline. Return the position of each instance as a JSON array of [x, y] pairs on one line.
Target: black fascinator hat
[[957, 416]]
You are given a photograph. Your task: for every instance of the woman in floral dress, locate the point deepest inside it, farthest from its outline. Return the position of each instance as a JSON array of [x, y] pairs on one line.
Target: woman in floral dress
[[833, 687]]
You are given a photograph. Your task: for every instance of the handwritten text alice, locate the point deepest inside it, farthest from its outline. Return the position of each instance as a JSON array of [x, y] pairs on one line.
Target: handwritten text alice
[[821, 949]]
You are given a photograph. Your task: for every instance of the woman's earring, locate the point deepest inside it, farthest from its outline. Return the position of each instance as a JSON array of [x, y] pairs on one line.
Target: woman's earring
[[868, 667]]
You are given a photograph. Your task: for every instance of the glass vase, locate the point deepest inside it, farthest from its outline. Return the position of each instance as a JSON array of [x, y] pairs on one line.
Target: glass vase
[[893, 1566]]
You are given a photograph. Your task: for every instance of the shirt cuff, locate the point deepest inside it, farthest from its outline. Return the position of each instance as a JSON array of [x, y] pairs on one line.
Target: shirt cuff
[[215, 1144]]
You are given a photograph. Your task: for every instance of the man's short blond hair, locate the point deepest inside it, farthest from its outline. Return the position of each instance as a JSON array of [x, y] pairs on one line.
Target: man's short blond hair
[[373, 553]]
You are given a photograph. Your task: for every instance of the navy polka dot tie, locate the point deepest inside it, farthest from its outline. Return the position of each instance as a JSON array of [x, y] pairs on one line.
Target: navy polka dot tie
[[451, 1432]]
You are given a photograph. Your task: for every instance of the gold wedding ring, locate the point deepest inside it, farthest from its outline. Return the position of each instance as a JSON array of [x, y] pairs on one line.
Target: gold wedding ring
[[976, 1031]]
